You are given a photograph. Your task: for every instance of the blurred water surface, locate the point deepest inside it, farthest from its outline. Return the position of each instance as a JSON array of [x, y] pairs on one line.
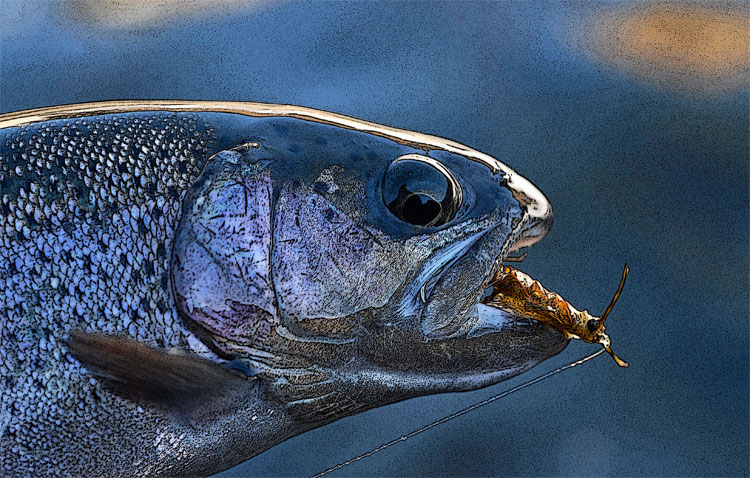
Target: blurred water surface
[[638, 137]]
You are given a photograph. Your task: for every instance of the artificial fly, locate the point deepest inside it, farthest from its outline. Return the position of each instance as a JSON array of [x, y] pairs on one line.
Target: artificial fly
[[520, 295]]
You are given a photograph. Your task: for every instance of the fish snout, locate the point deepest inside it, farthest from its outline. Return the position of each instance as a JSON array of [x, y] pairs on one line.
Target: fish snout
[[537, 211]]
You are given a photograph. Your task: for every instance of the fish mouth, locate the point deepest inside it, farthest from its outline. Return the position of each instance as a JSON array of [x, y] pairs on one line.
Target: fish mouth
[[495, 318], [444, 318], [536, 222]]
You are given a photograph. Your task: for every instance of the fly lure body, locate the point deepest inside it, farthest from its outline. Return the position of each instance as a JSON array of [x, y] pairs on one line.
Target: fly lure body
[[518, 293]]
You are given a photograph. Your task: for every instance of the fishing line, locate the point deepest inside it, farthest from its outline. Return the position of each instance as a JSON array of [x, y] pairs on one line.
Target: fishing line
[[459, 413]]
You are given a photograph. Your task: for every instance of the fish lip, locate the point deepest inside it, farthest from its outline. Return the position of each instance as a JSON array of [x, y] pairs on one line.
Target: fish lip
[[534, 224]]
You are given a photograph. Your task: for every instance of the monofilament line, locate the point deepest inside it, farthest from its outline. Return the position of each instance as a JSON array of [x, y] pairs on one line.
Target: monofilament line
[[459, 413]]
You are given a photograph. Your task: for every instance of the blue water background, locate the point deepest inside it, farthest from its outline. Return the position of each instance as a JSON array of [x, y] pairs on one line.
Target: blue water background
[[635, 172]]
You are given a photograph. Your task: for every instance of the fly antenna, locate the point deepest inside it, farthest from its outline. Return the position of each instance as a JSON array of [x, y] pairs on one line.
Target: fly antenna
[[604, 338], [617, 294]]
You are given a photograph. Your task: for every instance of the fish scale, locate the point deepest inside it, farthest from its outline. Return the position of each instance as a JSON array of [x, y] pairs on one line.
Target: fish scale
[[84, 246]]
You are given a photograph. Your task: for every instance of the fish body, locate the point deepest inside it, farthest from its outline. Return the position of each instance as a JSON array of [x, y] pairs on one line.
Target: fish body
[[185, 285]]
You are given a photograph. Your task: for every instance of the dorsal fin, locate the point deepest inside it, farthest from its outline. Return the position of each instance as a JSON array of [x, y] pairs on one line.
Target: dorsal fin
[[152, 376]]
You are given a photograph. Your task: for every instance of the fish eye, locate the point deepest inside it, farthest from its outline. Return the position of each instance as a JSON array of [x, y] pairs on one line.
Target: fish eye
[[593, 324], [421, 191]]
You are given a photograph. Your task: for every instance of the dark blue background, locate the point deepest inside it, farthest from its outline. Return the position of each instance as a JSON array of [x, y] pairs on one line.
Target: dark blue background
[[638, 173]]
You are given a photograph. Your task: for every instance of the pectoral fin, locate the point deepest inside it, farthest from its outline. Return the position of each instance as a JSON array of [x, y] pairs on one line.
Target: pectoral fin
[[157, 377]]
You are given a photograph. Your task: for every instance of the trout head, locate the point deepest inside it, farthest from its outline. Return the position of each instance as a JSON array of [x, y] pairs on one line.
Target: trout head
[[345, 268]]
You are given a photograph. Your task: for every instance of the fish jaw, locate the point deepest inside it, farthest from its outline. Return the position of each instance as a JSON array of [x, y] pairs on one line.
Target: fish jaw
[[480, 346]]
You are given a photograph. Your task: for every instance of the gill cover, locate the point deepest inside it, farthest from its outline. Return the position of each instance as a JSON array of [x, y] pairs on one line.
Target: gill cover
[[221, 259]]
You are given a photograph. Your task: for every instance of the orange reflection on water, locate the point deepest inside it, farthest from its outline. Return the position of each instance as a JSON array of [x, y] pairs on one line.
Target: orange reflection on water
[[688, 47], [128, 14]]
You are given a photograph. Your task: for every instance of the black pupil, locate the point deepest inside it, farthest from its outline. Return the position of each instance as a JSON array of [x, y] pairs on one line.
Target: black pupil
[[419, 193], [592, 325], [420, 210]]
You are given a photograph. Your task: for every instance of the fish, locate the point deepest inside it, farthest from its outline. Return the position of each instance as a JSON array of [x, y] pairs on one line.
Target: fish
[[186, 284]]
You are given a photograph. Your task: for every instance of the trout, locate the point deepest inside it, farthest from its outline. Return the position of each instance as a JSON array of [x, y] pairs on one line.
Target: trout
[[187, 284]]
